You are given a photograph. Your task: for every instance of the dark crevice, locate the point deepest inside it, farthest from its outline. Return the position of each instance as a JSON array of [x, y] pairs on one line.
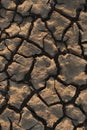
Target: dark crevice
[[83, 87], [30, 29], [61, 81], [0, 127], [72, 20], [36, 116], [11, 125], [57, 64], [13, 108], [79, 26], [57, 122], [12, 56], [65, 30], [81, 108], [26, 100], [72, 101], [5, 94], [43, 100], [86, 69], [64, 14], [18, 2], [14, 15], [32, 127], [27, 78], [79, 42], [47, 27]]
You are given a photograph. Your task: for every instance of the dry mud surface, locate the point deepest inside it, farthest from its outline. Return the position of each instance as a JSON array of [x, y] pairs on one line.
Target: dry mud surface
[[43, 65]]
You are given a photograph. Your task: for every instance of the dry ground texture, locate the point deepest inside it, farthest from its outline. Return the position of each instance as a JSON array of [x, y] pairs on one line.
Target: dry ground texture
[[43, 65]]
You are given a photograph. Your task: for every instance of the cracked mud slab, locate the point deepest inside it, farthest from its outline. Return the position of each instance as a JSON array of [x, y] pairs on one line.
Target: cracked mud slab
[[43, 65]]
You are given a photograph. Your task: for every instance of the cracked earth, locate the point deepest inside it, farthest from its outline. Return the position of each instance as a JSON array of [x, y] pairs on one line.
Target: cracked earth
[[43, 65]]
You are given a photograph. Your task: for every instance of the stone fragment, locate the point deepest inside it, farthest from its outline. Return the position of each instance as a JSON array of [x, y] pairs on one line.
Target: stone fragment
[[75, 114], [25, 27], [8, 4], [4, 50], [3, 86], [4, 23], [57, 24], [28, 121], [43, 68], [66, 92], [83, 21], [65, 124], [3, 76], [5, 116], [39, 31], [28, 49], [18, 19], [2, 100], [72, 69], [13, 30], [5, 19], [3, 63], [49, 46], [24, 7], [69, 7], [73, 38], [12, 44], [4, 124], [40, 8], [19, 67], [81, 128], [18, 93], [82, 100], [17, 127], [35, 7], [38, 126], [49, 94], [85, 49], [11, 115], [61, 46], [50, 114]]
